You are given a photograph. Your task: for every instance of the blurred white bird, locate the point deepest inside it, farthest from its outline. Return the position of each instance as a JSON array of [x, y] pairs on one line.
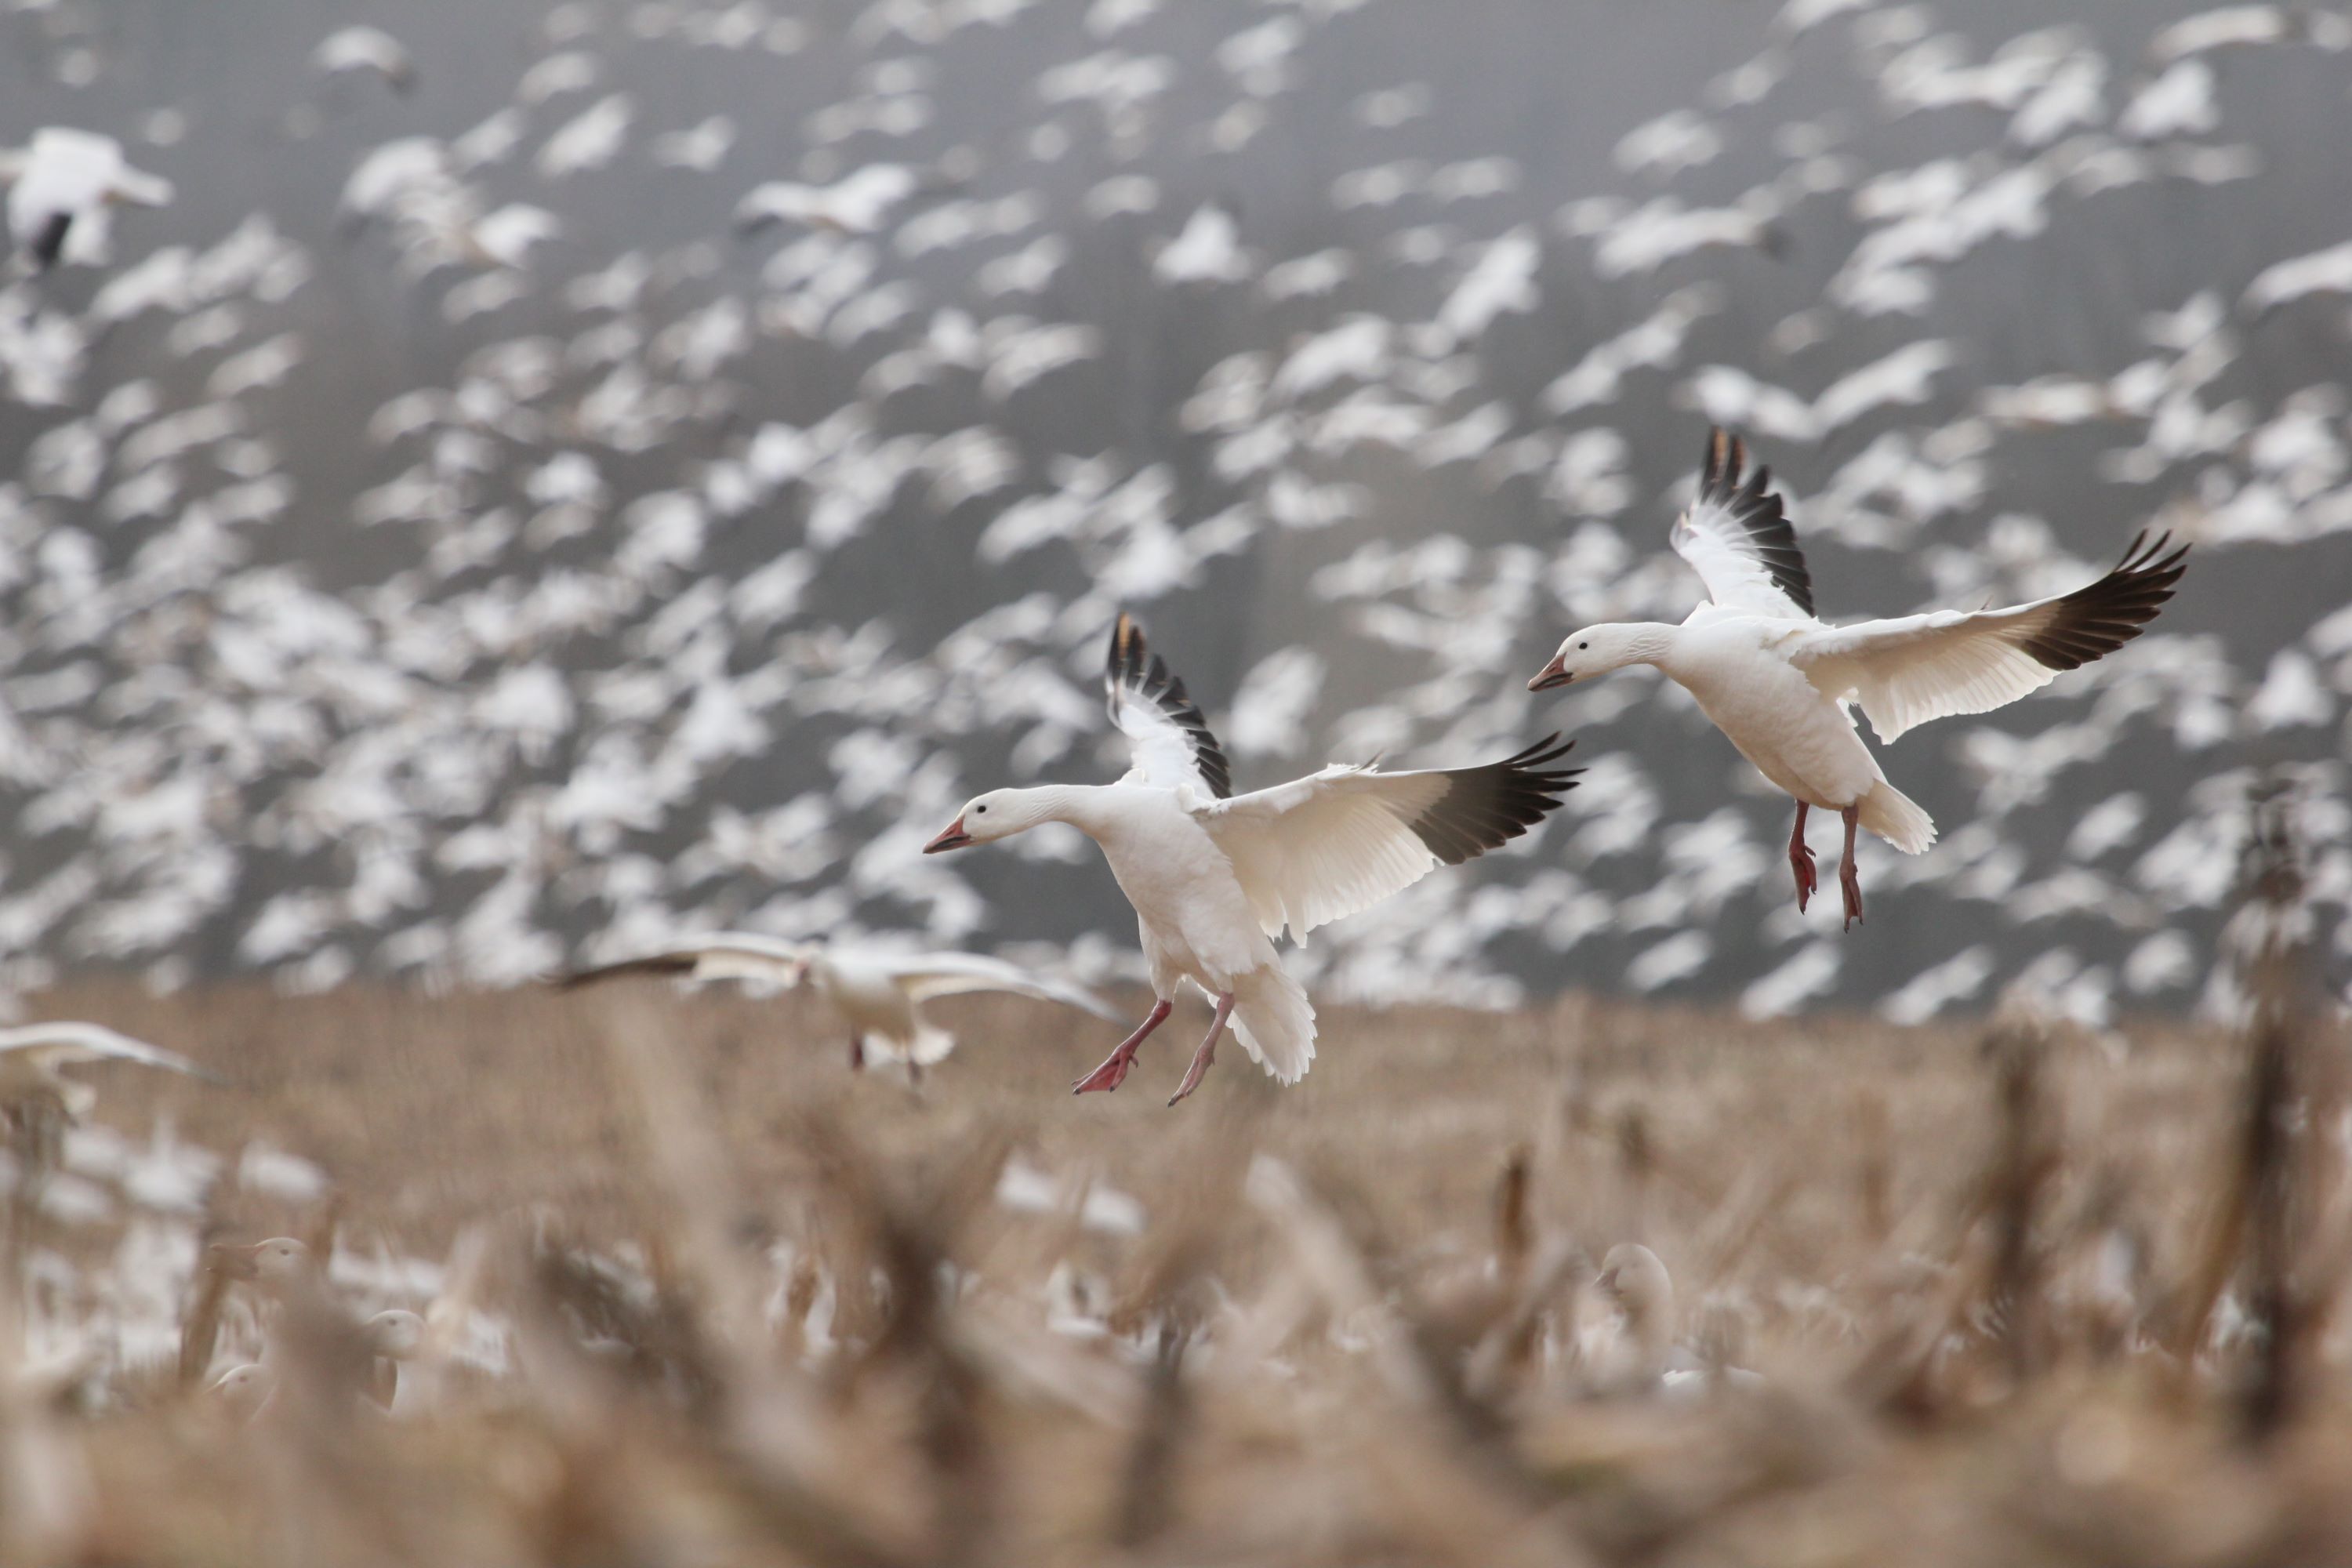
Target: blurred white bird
[[33, 1057], [857, 204], [365, 48], [60, 186], [877, 992]]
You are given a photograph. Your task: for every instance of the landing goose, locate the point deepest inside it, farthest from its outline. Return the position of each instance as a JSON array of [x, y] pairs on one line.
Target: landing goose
[[1780, 683], [1215, 877], [879, 995]]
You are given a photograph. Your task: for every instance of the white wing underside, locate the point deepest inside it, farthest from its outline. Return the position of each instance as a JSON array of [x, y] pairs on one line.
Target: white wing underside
[[1734, 579], [1322, 847], [1910, 670], [1906, 671], [1735, 535], [1162, 754]]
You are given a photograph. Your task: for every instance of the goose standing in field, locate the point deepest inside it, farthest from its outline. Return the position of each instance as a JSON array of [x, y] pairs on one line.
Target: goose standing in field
[[879, 995], [1215, 877], [65, 180], [1646, 1357], [1780, 683]]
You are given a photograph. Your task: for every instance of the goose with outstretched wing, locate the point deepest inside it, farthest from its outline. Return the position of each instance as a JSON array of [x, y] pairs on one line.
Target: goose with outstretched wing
[[1216, 877], [1781, 684]]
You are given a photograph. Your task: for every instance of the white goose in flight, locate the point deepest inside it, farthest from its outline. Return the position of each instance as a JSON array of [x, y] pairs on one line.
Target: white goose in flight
[[878, 994], [1778, 682], [63, 180], [33, 1057], [1215, 877]]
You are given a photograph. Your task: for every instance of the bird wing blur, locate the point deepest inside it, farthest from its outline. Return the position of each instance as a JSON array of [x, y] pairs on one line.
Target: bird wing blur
[[728, 955], [927, 976], [68, 1043]]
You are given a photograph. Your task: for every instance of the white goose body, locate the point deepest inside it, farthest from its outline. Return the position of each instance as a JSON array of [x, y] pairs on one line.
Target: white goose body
[[1764, 705], [1214, 877], [1781, 684], [1189, 909], [1193, 916]]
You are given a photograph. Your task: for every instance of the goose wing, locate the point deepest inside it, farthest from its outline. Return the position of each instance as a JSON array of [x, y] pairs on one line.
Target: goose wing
[[65, 1043], [926, 975], [727, 955], [1164, 729], [1912, 669], [1738, 538], [1322, 847]]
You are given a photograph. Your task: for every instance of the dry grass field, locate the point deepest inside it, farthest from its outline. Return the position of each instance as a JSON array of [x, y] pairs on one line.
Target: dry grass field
[[1941, 1295]]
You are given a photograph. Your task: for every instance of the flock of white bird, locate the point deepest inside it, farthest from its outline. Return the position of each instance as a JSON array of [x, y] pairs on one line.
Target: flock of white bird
[[628, 638], [628, 647]]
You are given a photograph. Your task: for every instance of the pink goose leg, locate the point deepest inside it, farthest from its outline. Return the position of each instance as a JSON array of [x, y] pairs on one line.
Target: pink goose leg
[[1849, 874], [1113, 1071], [1801, 861], [1208, 1051]]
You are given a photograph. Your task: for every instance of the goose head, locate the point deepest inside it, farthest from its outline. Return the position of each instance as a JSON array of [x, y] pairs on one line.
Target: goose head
[[1595, 651], [999, 813], [274, 1264]]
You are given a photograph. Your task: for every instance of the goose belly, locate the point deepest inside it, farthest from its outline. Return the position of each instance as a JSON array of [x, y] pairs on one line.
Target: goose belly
[[1191, 912], [1799, 738]]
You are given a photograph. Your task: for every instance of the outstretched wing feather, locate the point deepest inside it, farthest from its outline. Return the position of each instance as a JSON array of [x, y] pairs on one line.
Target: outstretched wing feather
[[1322, 847]]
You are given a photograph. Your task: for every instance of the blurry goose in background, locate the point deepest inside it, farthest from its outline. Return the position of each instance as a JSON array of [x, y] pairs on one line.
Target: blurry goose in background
[[33, 1057], [242, 1391], [1215, 877], [61, 185], [364, 48], [274, 1268], [878, 994], [1634, 1281], [1646, 1358], [1778, 682], [392, 1336]]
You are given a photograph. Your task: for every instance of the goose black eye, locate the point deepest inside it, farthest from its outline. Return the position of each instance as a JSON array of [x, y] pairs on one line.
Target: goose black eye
[[1584, 645], [980, 811]]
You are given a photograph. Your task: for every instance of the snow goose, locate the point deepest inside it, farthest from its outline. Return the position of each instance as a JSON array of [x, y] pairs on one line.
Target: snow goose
[[66, 177], [1778, 682], [363, 48], [33, 1057], [1215, 877], [275, 1268], [879, 995], [1646, 1357]]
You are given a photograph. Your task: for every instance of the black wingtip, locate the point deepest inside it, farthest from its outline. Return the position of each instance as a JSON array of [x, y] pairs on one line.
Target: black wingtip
[[2100, 617], [1758, 511], [49, 241], [1133, 667], [1485, 807]]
